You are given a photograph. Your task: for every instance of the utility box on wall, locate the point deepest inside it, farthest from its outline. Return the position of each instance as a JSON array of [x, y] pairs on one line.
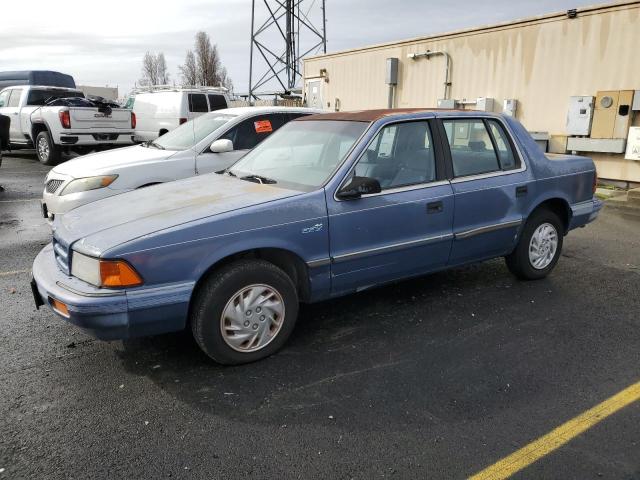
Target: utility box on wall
[[580, 115], [612, 114]]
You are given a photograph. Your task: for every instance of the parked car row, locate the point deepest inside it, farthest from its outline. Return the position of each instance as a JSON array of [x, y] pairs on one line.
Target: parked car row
[[328, 205]]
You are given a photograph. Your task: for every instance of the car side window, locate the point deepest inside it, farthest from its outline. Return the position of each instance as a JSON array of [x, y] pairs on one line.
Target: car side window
[[14, 100], [216, 102], [198, 102], [472, 151], [250, 132], [505, 152], [400, 155], [4, 98]]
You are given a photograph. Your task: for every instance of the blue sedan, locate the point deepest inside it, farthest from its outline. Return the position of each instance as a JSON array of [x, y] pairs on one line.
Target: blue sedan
[[326, 206]]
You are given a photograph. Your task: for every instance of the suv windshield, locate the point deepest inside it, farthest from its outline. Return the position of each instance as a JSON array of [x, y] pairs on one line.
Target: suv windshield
[[190, 133], [301, 155]]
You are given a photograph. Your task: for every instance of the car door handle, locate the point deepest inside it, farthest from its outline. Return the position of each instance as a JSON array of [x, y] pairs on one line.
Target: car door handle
[[434, 207], [521, 191]]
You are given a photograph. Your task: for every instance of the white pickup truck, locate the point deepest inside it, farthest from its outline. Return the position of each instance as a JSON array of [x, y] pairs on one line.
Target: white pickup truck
[[72, 126]]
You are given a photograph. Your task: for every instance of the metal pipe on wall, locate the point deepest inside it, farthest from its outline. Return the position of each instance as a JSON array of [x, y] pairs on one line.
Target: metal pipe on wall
[[447, 74]]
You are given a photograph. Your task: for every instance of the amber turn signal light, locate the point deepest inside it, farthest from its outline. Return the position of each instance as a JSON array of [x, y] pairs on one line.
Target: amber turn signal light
[[118, 273], [59, 307]]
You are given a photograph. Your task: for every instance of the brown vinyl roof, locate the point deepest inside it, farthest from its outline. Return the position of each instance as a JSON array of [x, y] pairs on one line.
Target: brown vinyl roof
[[363, 115]]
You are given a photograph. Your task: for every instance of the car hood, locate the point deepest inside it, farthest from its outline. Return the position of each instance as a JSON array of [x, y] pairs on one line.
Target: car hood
[[102, 163], [115, 220]]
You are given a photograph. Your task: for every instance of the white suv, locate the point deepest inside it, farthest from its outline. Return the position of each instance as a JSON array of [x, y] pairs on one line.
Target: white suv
[[209, 143], [161, 109]]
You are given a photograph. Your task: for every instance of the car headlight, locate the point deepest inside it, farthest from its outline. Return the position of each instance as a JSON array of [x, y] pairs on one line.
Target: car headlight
[[88, 183], [104, 273]]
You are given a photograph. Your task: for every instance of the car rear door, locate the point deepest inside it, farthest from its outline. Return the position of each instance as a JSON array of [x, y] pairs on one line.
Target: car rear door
[[244, 136], [490, 184], [404, 230]]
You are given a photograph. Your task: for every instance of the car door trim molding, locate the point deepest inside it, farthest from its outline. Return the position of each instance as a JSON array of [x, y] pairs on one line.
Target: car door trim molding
[[486, 229], [390, 248]]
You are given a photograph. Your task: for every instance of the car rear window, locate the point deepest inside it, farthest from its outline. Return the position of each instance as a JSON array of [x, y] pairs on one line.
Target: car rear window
[[40, 97], [198, 102]]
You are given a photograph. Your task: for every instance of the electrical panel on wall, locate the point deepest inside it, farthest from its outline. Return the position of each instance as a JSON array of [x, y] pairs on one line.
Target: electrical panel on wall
[[612, 114], [579, 115], [510, 107]]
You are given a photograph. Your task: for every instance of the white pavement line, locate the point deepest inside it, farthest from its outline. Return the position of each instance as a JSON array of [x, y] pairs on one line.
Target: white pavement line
[[13, 272], [21, 200]]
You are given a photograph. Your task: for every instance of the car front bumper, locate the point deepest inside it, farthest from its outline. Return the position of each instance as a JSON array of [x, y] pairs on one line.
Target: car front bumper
[[110, 314]]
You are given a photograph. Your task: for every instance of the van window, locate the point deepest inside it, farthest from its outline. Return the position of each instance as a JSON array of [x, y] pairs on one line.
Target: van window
[[14, 100], [216, 102], [198, 102]]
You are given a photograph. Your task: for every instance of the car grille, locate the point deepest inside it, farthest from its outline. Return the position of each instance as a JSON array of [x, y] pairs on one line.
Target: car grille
[[62, 256], [53, 185]]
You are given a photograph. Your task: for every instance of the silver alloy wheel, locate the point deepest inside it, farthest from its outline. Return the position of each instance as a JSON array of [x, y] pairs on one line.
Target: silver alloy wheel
[[252, 318], [543, 246], [43, 148]]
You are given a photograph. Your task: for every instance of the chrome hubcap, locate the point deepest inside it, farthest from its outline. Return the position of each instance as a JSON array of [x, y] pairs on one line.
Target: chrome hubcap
[[252, 318], [43, 148], [543, 246]]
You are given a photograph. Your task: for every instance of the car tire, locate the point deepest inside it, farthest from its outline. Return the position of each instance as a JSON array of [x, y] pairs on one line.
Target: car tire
[[244, 312], [47, 152], [539, 246]]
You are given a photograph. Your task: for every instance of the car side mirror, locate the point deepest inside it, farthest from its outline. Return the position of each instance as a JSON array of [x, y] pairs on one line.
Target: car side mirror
[[221, 146], [357, 187]]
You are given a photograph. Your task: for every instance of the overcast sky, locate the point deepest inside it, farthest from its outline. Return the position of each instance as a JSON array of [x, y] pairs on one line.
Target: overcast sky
[[102, 43]]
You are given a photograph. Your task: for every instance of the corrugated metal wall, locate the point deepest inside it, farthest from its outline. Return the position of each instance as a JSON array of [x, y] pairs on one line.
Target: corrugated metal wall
[[540, 62]]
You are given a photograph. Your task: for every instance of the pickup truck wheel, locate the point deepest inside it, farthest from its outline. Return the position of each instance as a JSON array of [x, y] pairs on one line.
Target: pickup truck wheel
[[244, 312], [539, 247], [48, 153]]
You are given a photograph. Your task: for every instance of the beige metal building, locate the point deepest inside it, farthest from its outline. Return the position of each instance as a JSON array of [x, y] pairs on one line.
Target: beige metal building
[[539, 62]]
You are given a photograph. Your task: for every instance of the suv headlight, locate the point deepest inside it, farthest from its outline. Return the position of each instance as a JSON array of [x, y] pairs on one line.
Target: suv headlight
[[104, 273], [88, 183]]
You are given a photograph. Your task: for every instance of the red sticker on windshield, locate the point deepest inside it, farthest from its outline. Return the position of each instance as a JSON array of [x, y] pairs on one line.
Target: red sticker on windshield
[[263, 126]]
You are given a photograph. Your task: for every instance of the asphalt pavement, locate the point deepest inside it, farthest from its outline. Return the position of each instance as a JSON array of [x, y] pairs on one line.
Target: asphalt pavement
[[437, 377]]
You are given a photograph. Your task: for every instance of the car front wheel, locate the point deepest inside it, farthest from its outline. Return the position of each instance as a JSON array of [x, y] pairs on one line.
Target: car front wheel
[[539, 247], [244, 312]]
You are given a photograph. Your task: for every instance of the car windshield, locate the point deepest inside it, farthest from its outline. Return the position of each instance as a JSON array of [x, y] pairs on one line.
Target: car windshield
[[301, 155], [190, 133]]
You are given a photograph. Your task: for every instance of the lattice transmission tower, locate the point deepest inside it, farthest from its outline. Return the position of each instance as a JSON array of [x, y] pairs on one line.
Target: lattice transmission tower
[[282, 33]]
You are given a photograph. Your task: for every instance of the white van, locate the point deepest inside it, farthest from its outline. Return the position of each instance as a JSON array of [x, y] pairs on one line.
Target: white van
[[161, 109]]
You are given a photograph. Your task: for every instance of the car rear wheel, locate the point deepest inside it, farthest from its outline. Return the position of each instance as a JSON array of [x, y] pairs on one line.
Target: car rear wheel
[[48, 153], [539, 247], [244, 312]]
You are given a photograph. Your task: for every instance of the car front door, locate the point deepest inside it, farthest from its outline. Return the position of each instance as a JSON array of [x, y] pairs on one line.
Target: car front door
[[490, 184], [244, 136], [404, 230]]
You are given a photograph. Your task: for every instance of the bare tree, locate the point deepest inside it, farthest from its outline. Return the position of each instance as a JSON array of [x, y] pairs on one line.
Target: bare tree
[[225, 80], [207, 60], [202, 65], [149, 70], [162, 75], [189, 70]]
